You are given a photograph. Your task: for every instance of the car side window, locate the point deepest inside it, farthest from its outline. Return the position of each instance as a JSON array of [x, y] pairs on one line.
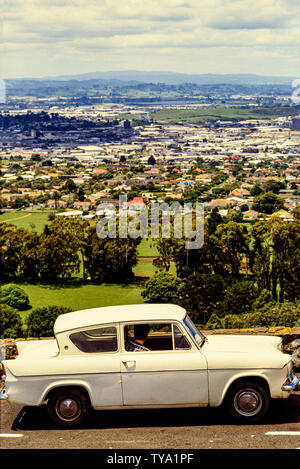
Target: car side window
[[154, 337], [100, 340], [180, 341]]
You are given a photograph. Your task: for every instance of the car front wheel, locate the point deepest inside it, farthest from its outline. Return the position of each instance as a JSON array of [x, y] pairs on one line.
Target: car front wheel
[[247, 402], [68, 407]]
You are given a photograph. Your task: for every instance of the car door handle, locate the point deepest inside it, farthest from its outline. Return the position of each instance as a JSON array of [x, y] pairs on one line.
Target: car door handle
[[128, 362]]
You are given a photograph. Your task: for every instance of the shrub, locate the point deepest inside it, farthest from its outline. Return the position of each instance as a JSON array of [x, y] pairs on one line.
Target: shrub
[[10, 322], [239, 297], [235, 321], [201, 295], [41, 320], [15, 297], [264, 301], [162, 288], [214, 322], [286, 314]]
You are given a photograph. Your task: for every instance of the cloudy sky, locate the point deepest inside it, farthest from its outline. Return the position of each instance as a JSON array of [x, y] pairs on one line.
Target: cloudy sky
[[59, 37]]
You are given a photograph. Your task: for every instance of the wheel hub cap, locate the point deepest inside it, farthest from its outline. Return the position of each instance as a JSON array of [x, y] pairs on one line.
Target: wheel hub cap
[[68, 408], [248, 402]]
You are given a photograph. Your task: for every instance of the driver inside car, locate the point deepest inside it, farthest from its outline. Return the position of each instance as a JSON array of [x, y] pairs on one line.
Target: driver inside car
[[141, 332]]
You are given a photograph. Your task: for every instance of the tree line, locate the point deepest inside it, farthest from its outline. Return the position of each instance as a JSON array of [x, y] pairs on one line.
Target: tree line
[[65, 248], [238, 271], [242, 276], [267, 253]]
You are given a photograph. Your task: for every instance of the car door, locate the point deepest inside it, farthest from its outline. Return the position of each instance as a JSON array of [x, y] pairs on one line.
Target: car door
[[177, 376], [99, 363]]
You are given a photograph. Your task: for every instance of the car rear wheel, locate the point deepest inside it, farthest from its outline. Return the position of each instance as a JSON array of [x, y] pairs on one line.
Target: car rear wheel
[[68, 407], [247, 402]]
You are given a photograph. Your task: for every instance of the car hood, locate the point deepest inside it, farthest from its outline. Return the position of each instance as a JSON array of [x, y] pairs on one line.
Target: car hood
[[244, 351]]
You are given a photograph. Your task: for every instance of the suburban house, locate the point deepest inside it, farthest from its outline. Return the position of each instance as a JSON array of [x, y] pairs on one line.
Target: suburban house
[[285, 216], [250, 215], [137, 203], [86, 205], [220, 203], [55, 204], [240, 193]]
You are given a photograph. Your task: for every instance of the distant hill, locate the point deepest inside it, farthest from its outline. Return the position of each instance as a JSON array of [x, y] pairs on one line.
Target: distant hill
[[148, 87], [172, 78]]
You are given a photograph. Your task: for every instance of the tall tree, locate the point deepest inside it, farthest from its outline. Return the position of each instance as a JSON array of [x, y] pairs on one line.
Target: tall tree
[[110, 260], [29, 265], [58, 252], [234, 241], [11, 243], [201, 295], [267, 203], [276, 254], [77, 230]]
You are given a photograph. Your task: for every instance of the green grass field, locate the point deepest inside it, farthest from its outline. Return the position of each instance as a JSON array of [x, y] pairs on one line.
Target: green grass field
[[80, 296], [32, 221], [211, 114]]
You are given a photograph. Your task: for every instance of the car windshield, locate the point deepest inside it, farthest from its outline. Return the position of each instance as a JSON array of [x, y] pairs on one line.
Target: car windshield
[[198, 337]]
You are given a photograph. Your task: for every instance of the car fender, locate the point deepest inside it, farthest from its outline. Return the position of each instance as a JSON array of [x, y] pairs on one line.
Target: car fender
[[219, 382], [70, 382]]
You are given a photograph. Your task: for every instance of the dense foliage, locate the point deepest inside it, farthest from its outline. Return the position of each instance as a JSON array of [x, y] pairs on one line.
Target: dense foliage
[[162, 288], [41, 320], [236, 277], [241, 277], [109, 260], [61, 249], [10, 322], [14, 296]]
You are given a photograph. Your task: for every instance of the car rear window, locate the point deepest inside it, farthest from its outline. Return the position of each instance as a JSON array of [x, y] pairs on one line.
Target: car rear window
[[98, 340]]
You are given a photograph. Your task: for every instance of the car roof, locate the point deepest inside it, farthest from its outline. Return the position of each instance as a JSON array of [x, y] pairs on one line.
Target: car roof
[[113, 314]]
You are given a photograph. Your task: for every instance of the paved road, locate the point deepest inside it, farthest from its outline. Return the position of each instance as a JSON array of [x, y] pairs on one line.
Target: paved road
[[29, 428]]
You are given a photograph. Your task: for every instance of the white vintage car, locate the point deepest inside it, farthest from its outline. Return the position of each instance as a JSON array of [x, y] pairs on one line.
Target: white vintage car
[[95, 362]]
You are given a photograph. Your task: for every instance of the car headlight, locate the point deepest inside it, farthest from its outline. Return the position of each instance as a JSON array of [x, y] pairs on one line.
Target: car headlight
[[280, 346]]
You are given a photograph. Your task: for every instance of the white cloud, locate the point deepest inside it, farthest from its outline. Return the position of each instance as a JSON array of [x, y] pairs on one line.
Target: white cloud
[[159, 28]]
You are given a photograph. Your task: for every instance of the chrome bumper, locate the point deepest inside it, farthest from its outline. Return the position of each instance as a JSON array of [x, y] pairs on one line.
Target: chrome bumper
[[290, 383]]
